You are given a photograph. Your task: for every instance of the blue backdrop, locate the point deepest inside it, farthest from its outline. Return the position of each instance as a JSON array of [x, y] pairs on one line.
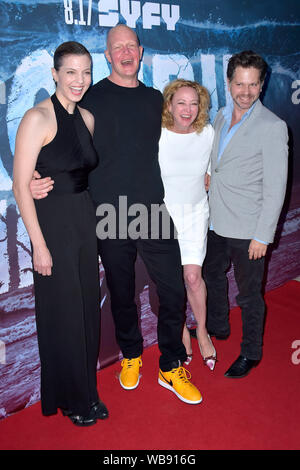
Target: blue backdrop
[[191, 39]]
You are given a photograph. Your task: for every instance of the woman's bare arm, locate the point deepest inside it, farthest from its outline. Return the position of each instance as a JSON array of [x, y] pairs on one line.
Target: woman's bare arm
[[31, 136]]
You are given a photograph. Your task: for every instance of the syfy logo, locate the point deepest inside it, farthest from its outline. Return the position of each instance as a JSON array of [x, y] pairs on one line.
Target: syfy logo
[[151, 13]]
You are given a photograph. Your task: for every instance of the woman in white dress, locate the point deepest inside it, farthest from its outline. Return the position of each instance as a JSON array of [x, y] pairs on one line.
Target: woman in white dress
[[184, 154]]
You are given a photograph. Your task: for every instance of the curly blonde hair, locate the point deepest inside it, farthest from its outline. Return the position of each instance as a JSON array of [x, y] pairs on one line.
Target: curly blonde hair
[[204, 102]]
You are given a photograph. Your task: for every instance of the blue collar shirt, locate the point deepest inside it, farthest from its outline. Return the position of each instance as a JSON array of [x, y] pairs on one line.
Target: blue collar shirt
[[226, 134]]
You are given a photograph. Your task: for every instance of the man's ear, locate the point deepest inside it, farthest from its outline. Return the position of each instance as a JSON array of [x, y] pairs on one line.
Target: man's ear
[[141, 49], [107, 55], [228, 84]]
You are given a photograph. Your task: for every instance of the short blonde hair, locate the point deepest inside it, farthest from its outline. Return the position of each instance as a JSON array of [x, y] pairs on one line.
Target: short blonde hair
[[204, 102]]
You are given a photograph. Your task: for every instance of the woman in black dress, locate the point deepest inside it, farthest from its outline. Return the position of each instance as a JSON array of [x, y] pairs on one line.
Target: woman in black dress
[[54, 138]]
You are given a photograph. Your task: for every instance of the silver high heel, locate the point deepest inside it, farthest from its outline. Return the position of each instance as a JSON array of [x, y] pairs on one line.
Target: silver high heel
[[188, 360], [209, 361]]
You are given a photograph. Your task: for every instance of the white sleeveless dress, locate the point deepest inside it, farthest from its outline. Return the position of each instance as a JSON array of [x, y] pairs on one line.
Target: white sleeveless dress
[[184, 160]]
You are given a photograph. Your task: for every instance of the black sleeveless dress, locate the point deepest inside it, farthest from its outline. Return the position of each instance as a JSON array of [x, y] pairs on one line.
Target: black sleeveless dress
[[67, 303]]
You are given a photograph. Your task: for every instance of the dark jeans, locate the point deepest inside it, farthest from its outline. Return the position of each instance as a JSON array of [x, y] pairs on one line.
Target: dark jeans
[[163, 262], [248, 275]]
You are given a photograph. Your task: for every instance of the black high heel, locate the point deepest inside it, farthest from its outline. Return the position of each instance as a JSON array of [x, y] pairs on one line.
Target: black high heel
[[79, 420], [99, 409]]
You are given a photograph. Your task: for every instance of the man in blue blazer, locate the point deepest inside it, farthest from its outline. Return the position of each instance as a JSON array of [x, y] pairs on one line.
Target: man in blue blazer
[[248, 181]]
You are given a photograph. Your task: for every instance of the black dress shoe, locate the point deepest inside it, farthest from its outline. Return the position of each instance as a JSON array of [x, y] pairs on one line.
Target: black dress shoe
[[240, 368], [99, 409]]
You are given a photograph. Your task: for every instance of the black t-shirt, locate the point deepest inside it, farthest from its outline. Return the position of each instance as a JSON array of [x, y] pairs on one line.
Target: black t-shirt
[[126, 136]]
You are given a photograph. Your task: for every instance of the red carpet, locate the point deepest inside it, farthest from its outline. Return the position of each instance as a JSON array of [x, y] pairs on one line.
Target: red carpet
[[261, 411]]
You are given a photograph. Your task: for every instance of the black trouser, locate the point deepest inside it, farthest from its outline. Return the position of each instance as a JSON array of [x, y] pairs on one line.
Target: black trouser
[[163, 262], [248, 275]]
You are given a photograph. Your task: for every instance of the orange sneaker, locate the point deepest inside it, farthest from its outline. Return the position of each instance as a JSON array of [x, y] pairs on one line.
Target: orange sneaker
[[178, 382], [130, 374]]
